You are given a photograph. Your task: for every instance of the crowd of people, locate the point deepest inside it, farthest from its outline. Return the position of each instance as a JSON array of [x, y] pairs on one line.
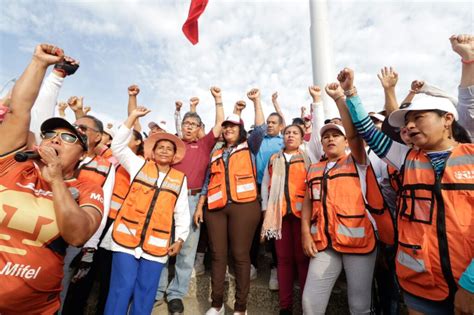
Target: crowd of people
[[387, 196]]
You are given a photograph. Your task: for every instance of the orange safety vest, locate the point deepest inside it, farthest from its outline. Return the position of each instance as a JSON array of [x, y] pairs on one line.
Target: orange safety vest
[[394, 178], [146, 217], [295, 183], [121, 187], [95, 171], [435, 223], [340, 213], [234, 182]]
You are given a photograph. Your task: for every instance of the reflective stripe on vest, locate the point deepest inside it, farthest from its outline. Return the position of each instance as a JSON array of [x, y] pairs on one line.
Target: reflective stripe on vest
[[121, 187], [435, 223], [146, 217], [340, 219], [95, 171], [234, 183], [295, 184]]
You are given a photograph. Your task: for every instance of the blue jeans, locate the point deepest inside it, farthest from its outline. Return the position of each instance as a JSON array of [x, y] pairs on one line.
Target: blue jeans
[[135, 279], [178, 287]]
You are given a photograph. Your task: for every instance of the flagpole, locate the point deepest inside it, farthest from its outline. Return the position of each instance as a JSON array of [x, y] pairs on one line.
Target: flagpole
[[321, 52]]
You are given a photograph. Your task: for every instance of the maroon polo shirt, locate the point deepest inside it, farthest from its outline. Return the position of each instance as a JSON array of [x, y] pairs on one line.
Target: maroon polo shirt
[[196, 160]]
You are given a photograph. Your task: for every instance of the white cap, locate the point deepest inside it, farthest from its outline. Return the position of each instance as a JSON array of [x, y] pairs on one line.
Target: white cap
[[379, 117], [110, 132], [397, 118], [329, 126], [233, 118], [161, 124]]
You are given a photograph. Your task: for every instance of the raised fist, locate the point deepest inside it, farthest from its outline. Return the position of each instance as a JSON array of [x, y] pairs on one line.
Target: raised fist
[[194, 101], [253, 94], [178, 105], [464, 45], [216, 91], [48, 54], [346, 79], [303, 110], [86, 109], [416, 86], [240, 105], [388, 77], [133, 90], [62, 106], [314, 91], [274, 96], [334, 90], [140, 111], [75, 103]]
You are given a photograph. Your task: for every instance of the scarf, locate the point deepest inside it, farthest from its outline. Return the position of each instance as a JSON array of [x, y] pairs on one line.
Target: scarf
[[271, 227]]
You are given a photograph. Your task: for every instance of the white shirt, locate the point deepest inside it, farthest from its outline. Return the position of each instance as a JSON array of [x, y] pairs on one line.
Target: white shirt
[[132, 163]]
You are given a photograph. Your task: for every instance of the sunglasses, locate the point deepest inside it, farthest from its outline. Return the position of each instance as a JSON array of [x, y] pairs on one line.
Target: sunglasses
[[65, 136]]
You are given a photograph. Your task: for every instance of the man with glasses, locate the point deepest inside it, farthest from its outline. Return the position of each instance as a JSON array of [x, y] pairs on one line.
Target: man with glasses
[[44, 206], [94, 169], [194, 165]]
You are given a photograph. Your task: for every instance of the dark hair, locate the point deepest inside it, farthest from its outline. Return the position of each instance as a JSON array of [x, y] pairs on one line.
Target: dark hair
[[242, 135], [297, 121], [98, 124], [138, 136], [460, 134], [280, 119], [295, 125], [192, 115], [161, 140]]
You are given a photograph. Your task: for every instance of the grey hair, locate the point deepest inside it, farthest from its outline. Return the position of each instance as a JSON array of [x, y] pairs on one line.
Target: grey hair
[[192, 115]]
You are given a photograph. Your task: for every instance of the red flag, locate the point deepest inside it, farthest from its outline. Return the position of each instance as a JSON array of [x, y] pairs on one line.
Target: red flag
[[190, 27]]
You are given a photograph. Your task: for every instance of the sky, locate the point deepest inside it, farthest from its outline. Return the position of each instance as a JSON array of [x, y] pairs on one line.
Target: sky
[[243, 44]]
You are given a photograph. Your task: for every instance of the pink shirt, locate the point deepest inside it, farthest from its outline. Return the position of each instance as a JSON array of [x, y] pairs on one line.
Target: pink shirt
[[196, 160]]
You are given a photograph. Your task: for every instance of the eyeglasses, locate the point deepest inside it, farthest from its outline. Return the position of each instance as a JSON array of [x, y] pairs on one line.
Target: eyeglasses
[[84, 128], [190, 124], [65, 136]]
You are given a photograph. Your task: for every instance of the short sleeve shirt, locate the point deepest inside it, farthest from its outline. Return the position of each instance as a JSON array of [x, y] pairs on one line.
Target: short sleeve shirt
[[31, 247], [196, 160]]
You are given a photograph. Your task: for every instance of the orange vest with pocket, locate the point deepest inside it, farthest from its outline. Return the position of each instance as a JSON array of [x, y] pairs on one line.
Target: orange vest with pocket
[[435, 223], [146, 217], [295, 184], [121, 187], [343, 220], [234, 182], [96, 170]]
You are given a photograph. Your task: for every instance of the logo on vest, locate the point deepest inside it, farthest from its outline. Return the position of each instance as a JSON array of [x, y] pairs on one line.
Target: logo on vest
[[19, 271], [464, 174]]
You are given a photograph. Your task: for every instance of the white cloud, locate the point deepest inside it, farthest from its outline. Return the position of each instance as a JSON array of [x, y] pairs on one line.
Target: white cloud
[[243, 44]]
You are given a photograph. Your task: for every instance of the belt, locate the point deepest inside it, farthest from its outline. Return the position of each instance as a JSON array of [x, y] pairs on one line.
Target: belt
[[194, 192]]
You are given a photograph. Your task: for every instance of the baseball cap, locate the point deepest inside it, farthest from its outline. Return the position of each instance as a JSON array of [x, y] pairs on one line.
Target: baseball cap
[[110, 132], [57, 122], [330, 126], [161, 124], [397, 118], [379, 117], [234, 119]]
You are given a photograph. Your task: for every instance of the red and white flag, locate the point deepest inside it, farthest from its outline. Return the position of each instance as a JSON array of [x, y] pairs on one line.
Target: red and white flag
[[190, 27]]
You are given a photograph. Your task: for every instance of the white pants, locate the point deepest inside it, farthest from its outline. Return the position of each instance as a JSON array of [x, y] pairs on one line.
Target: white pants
[[323, 271]]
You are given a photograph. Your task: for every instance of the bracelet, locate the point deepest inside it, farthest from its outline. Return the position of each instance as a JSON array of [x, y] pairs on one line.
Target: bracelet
[[350, 92], [219, 104], [467, 62], [335, 100]]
